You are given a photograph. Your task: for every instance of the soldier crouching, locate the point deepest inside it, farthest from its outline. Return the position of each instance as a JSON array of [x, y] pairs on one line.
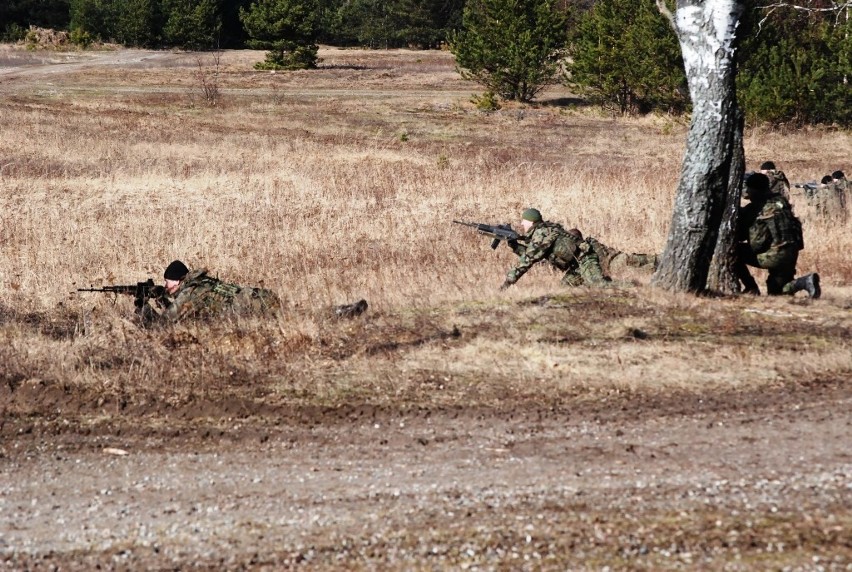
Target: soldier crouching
[[549, 241]]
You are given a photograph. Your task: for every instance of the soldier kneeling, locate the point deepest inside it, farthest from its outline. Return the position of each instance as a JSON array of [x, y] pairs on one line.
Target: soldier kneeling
[[770, 237]]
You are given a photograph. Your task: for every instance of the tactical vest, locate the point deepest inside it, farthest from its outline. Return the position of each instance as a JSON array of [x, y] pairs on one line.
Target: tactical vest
[[565, 249], [783, 224]]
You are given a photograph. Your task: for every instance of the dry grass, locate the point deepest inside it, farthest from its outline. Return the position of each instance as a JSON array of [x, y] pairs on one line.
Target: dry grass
[[341, 183]]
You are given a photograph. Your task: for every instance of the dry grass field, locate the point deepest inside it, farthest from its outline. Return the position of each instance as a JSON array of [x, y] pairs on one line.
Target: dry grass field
[[451, 426]]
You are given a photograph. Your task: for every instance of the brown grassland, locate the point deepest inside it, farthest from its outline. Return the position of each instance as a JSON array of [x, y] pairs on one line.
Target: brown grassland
[[341, 183]]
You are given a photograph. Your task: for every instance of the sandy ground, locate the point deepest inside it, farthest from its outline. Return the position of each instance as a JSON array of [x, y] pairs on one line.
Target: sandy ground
[[732, 482]]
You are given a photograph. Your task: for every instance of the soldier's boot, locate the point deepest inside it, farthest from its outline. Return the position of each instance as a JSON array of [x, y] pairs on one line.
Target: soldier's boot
[[648, 261], [351, 310], [809, 283], [749, 285]]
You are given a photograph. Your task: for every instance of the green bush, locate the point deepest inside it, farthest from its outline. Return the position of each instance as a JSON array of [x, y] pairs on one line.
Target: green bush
[[512, 47], [13, 33], [486, 102], [81, 38]]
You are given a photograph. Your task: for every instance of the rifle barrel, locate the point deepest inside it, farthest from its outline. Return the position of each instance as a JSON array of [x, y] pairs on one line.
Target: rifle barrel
[[470, 224]]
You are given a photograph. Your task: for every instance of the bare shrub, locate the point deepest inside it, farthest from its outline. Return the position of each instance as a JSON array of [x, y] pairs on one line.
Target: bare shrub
[[207, 77]]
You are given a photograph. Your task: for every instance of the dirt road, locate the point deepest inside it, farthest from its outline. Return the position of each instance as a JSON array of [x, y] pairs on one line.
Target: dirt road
[[733, 482]]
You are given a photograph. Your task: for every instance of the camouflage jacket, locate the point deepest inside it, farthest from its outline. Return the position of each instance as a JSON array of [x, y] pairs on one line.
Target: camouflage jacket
[[546, 241], [202, 296], [778, 183], [770, 225], [843, 187]]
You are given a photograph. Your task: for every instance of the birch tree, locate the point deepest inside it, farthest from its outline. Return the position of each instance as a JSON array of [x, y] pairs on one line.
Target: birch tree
[[699, 251]]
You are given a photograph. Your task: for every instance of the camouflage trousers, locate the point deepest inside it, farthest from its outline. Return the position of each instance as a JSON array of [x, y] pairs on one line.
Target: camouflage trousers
[[588, 271], [255, 301], [614, 259], [780, 262]]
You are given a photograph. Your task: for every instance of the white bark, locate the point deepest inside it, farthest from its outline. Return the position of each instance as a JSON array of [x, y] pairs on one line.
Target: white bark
[[709, 183]]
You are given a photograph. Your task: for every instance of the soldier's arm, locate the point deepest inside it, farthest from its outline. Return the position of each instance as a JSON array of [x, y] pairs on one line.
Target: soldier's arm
[[759, 235], [535, 251], [516, 247], [746, 218], [183, 305]]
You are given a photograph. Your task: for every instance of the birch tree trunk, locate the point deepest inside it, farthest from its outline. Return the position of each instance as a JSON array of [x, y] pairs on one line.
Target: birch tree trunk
[[699, 251]]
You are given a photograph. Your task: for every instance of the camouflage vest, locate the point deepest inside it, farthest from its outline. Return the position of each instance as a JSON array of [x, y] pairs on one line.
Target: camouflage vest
[[565, 249], [784, 226]]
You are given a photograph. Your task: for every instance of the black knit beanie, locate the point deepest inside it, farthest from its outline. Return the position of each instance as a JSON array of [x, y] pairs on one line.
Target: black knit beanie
[[176, 271]]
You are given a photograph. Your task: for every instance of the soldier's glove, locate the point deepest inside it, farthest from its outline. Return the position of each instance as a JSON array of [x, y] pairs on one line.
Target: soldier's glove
[[512, 243], [505, 285]]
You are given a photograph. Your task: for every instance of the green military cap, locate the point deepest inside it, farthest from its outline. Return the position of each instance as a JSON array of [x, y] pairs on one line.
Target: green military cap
[[532, 215]]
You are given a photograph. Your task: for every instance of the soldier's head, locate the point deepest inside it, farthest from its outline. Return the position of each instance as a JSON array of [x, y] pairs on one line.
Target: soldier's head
[[530, 217], [756, 186], [837, 175], [174, 275], [575, 232], [767, 166], [827, 180]]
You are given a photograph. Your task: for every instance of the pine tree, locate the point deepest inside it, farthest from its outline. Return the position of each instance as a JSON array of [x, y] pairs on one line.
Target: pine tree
[[287, 28], [625, 55], [191, 24], [137, 22], [795, 68], [512, 47], [94, 17]]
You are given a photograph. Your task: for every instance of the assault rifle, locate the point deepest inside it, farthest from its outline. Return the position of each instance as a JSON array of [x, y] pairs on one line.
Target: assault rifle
[[141, 291], [499, 232], [809, 187]]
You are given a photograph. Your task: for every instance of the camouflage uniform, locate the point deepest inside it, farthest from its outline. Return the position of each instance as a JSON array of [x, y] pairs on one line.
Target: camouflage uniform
[[202, 296], [772, 239], [612, 258], [844, 185], [829, 201], [573, 255], [841, 192], [778, 183]]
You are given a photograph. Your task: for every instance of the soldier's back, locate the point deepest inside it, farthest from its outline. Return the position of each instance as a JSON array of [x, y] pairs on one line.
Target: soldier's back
[[778, 183], [204, 296], [829, 203]]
